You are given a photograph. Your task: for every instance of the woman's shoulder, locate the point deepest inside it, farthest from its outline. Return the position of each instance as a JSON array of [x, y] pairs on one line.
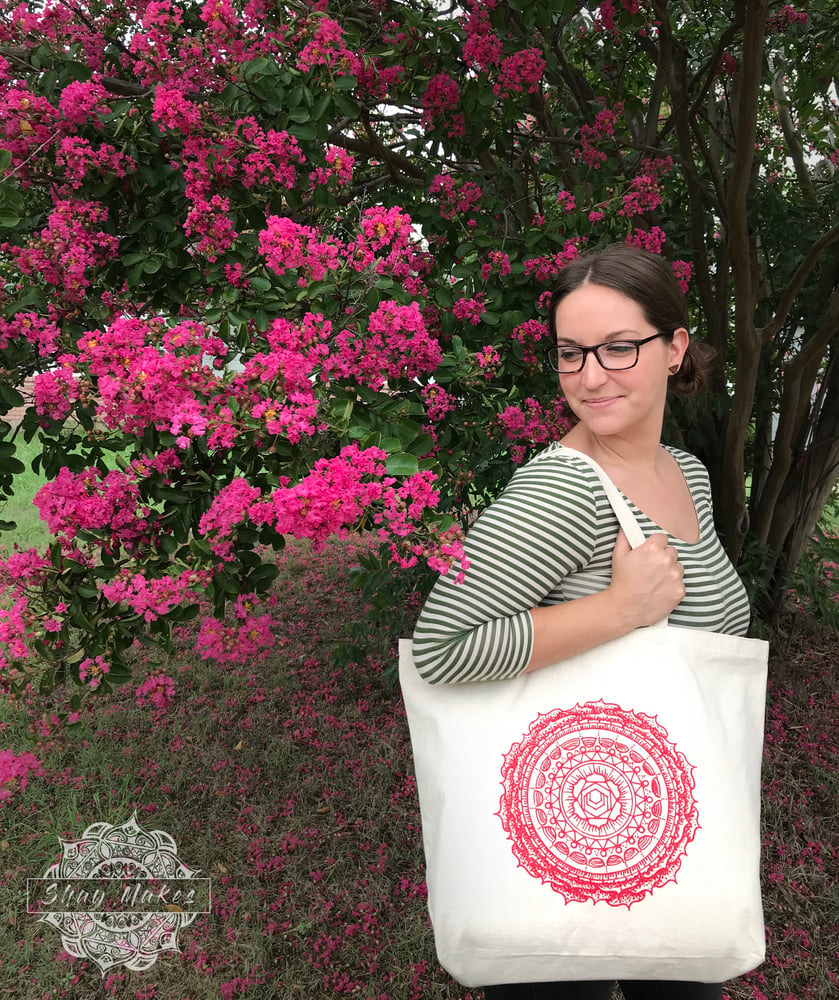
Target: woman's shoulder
[[557, 464], [559, 474], [695, 473]]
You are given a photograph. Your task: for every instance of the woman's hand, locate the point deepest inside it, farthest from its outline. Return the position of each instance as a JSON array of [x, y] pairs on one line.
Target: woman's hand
[[647, 581]]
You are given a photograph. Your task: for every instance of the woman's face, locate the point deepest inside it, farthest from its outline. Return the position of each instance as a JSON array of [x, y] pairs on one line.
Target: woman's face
[[615, 402]]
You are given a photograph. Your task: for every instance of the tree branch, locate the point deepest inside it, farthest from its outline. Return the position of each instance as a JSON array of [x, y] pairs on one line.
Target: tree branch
[[796, 282], [782, 101]]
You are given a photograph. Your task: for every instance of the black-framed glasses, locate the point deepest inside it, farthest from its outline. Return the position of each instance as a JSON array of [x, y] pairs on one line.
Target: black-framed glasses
[[614, 356]]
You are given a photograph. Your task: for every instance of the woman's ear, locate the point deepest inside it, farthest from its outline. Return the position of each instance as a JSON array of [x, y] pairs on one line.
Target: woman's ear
[[678, 345]]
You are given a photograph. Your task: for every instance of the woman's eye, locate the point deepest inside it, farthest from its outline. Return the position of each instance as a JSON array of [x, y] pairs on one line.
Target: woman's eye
[[569, 354], [619, 350]]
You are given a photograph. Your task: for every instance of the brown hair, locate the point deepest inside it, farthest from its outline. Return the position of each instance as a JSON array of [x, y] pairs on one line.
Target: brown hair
[[648, 280]]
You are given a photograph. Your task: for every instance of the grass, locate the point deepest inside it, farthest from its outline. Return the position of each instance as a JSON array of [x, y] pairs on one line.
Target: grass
[[31, 530], [289, 783]]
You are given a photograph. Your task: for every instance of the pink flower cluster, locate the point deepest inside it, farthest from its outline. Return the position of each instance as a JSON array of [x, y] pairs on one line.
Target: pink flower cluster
[[93, 670], [437, 401], [287, 245], [566, 201], [683, 269], [15, 771], [55, 392], [456, 197], [548, 267], [228, 509], [79, 158], [41, 331], [105, 505], [209, 223], [70, 244], [327, 48], [643, 196], [15, 630], [83, 101], [653, 240], [175, 111], [470, 310], [395, 345], [781, 22], [521, 71], [439, 102], [591, 135], [482, 48], [333, 496], [498, 261], [529, 334], [157, 690], [533, 424], [273, 157], [339, 168], [489, 361], [28, 123], [155, 597]]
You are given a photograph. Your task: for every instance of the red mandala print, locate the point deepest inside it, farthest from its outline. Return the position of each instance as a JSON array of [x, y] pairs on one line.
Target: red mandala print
[[598, 803]]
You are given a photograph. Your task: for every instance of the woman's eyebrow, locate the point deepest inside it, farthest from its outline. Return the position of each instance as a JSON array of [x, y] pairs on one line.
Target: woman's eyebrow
[[609, 336]]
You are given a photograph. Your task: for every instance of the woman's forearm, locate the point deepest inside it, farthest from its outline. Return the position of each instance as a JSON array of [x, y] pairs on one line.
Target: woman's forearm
[[564, 630]]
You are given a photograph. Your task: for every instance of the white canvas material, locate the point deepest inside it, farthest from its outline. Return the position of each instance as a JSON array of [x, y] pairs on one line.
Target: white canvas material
[[599, 818]]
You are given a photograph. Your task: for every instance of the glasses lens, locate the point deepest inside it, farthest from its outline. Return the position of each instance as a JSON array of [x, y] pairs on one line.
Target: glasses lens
[[617, 355], [566, 359]]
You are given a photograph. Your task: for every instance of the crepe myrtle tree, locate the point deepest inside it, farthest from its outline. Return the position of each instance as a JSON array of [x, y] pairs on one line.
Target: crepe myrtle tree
[[281, 269]]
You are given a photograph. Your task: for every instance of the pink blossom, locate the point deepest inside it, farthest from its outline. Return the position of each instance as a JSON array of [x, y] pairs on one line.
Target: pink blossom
[[470, 310], [482, 48], [15, 771], [643, 196], [94, 668], [521, 71], [438, 402], [209, 221], [81, 101], [683, 269], [439, 102], [157, 690], [287, 245], [566, 200], [175, 111], [653, 240], [456, 197]]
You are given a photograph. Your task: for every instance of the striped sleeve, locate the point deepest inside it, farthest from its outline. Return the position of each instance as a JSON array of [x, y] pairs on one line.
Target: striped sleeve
[[541, 529]]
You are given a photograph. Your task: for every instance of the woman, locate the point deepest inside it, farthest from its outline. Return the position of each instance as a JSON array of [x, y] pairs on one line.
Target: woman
[[550, 574]]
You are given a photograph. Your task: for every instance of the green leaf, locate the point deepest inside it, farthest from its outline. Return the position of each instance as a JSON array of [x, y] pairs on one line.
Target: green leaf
[[305, 132], [401, 464]]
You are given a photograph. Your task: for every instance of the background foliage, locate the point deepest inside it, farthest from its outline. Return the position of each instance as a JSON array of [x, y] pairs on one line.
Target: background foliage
[[280, 269]]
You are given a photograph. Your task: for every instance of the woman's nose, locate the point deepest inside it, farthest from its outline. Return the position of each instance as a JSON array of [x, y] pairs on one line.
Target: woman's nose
[[593, 373]]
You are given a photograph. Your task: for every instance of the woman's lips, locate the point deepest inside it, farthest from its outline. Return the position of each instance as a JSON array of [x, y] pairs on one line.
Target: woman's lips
[[600, 403]]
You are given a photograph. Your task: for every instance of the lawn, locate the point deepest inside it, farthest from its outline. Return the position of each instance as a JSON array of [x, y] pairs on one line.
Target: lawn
[[288, 782]]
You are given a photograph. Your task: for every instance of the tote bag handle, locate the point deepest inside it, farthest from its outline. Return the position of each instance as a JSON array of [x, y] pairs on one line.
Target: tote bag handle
[[635, 536]]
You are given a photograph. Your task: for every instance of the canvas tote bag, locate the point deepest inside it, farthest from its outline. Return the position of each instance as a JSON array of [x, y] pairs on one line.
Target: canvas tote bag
[[599, 818]]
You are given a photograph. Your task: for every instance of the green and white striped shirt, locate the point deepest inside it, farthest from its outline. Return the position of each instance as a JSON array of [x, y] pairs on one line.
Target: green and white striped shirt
[[547, 539]]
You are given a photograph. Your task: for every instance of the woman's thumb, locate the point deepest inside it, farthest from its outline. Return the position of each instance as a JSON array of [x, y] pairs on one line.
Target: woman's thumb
[[622, 545]]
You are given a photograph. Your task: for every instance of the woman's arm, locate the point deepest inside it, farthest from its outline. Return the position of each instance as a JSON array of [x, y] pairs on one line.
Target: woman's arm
[[646, 585], [540, 529], [543, 528]]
